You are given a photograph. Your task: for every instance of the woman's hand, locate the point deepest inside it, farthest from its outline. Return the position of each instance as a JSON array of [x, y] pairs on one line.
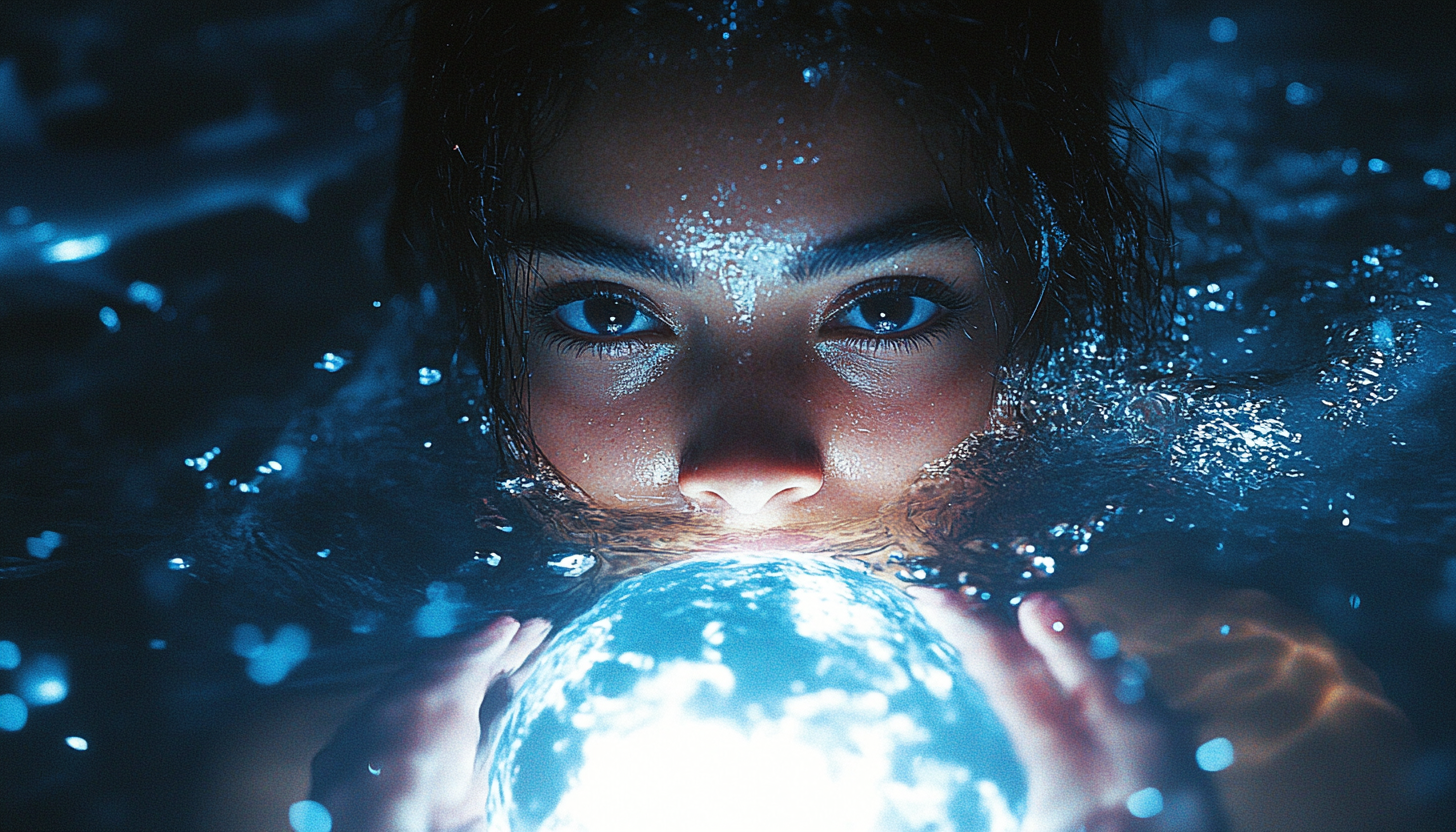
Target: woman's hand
[[410, 759], [1085, 752]]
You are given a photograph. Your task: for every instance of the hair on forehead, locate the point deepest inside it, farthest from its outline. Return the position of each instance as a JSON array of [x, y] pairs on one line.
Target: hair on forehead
[[1020, 92]]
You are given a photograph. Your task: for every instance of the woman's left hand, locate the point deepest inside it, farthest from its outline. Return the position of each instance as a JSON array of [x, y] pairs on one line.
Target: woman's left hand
[[1085, 752], [408, 761]]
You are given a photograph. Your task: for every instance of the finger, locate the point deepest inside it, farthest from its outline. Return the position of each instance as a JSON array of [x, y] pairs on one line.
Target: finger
[[1127, 735], [535, 634], [1049, 627], [527, 645], [1012, 675]]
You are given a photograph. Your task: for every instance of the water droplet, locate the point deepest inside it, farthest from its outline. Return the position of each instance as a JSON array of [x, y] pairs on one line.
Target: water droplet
[[429, 376], [331, 362], [180, 563], [572, 565], [323, 553]]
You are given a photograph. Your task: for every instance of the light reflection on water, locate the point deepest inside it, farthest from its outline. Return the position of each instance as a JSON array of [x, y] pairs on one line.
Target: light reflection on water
[[1301, 423]]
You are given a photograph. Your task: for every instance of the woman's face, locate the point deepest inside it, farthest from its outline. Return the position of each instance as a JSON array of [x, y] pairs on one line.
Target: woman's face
[[750, 298]]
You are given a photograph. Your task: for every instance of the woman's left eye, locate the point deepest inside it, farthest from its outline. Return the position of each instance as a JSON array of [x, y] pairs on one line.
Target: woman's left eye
[[605, 316], [888, 312]]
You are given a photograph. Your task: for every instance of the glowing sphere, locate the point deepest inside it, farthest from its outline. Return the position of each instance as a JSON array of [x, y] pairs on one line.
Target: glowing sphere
[[752, 693]]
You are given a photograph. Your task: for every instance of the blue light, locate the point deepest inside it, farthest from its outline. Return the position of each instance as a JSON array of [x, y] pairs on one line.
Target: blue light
[[441, 612], [1438, 179], [1103, 645], [429, 376], [78, 743], [42, 681], [270, 662], [109, 319], [1301, 95], [1145, 803], [1378, 166], [145, 294], [13, 712], [42, 545], [331, 363], [76, 249], [9, 655], [310, 816], [1223, 30], [1215, 755]]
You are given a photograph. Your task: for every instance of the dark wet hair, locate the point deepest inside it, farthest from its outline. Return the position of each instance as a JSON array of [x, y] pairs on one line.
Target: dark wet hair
[[1025, 88]]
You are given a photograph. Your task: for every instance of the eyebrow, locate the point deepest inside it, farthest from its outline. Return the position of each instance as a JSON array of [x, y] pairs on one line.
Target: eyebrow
[[880, 241]]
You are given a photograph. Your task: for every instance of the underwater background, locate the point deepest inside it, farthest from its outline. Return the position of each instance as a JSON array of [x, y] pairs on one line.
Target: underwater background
[[232, 442]]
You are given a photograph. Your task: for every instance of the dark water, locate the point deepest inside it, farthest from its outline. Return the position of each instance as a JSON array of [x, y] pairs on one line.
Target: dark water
[[193, 199]]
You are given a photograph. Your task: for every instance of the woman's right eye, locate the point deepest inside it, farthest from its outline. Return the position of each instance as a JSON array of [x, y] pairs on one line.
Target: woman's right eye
[[606, 316]]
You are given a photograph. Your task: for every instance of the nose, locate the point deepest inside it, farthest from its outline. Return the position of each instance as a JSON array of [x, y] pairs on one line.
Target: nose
[[750, 464]]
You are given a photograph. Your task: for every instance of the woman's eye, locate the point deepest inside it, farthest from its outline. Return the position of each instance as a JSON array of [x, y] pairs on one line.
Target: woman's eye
[[888, 313], [606, 316]]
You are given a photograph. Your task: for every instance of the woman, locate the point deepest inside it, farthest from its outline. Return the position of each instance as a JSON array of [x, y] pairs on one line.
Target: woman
[[748, 271]]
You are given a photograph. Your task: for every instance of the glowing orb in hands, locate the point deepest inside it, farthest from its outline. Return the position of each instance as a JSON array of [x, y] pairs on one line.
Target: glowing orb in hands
[[752, 694]]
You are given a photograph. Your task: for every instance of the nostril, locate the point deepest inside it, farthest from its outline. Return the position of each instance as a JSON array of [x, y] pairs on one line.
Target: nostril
[[748, 486]]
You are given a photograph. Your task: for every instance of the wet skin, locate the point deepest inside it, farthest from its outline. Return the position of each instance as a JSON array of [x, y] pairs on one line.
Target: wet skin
[[771, 346]]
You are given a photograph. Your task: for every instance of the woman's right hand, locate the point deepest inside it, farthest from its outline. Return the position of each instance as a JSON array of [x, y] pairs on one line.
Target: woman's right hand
[[1085, 752], [411, 759]]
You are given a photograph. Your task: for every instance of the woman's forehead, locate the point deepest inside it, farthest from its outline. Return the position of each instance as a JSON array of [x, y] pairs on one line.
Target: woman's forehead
[[647, 153]]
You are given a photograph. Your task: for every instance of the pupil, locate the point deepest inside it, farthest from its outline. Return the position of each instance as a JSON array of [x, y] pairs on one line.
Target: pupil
[[608, 315], [887, 311]]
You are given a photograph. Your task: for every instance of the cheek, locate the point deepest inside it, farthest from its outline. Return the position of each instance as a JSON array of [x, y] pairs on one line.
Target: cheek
[[608, 429], [888, 418]]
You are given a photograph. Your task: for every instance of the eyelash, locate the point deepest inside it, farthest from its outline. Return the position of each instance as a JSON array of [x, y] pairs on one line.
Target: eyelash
[[542, 309], [948, 299]]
